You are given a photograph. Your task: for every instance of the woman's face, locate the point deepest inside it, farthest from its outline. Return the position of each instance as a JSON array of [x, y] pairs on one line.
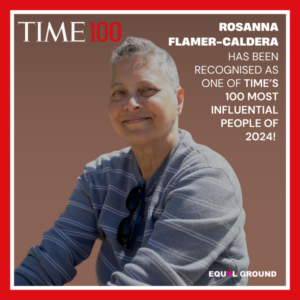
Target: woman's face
[[143, 106]]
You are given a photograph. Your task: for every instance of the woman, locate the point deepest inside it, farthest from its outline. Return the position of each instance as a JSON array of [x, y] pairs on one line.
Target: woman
[[168, 210]]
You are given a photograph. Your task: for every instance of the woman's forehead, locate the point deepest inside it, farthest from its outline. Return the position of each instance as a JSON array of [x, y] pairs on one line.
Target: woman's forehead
[[137, 67]]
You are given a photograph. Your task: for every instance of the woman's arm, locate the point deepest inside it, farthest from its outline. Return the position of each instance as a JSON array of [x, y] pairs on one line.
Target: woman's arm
[[65, 245], [201, 219]]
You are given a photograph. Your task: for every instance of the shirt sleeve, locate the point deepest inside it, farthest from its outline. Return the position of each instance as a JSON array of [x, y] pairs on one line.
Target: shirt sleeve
[[198, 223], [65, 245]]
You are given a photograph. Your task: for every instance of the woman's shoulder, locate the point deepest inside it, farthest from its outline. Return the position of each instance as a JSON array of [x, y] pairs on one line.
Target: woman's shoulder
[[193, 159], [193, 154], [115, 159]]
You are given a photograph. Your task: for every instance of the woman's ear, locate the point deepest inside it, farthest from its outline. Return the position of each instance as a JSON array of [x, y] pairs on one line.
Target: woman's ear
[[180, 99]]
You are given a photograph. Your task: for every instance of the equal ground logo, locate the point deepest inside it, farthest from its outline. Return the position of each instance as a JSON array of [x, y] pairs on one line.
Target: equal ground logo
[[242, 274]]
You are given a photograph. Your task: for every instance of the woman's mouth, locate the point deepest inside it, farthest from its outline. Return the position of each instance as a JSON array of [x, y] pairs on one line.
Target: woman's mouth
[[136, 120]]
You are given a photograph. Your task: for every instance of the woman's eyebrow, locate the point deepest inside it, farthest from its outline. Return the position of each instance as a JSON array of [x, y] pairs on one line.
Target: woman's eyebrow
[[140, 82], [146, 82], [116, 84]]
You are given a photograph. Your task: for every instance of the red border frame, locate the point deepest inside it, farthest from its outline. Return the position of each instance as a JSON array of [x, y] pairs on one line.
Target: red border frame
[[5, 139]]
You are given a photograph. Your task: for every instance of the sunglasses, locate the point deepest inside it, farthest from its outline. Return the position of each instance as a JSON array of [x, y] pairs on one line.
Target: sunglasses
[[127, 233]]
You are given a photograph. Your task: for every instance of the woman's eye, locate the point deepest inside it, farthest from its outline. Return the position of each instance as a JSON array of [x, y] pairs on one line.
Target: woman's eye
[[148, 89], [117, 93]]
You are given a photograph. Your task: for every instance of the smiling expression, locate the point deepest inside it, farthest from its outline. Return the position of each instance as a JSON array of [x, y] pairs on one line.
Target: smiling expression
[[143, 105]]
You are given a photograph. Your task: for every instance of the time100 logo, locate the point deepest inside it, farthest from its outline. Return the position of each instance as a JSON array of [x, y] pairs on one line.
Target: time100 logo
[[100, 32]]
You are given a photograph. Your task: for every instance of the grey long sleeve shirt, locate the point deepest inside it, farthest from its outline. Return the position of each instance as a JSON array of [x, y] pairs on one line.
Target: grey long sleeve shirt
[[193, 224]]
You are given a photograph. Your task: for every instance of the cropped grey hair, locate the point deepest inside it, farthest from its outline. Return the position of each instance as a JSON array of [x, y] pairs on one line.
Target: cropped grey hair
[[138, 46]]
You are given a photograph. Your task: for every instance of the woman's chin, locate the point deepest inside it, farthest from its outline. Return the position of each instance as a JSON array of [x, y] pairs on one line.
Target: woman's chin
[[139, 137]]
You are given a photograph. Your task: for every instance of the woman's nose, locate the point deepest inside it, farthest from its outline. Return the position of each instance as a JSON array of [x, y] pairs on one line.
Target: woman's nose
[[132, 103]]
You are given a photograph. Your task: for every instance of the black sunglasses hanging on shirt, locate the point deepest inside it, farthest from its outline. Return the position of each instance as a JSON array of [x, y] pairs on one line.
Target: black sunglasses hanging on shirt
[[127, 233]]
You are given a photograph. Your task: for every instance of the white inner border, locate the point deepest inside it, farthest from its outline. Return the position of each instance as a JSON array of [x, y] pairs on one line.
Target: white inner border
[[88, 12]]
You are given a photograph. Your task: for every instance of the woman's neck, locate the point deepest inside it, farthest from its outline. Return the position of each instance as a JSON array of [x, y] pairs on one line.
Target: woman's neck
[[149, 157]]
